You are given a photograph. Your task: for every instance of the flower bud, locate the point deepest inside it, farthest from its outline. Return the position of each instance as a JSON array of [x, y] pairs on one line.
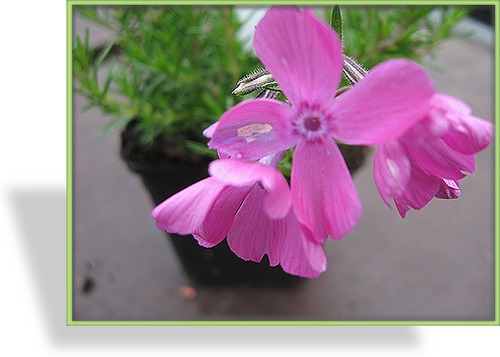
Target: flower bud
[[256, 80]]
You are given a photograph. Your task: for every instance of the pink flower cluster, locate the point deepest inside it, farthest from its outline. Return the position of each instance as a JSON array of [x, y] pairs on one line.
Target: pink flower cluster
[[424, 141]]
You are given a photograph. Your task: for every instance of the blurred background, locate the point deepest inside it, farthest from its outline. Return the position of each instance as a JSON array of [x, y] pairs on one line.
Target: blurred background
[[436, 264]]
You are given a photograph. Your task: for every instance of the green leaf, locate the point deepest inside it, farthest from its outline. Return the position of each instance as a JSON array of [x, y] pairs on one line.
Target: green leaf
[[212, 104], [113, 126], [202, 149], [336, 21], [107, 83], [103, 55]]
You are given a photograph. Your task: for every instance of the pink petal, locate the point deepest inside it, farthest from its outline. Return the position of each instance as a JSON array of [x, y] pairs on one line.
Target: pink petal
[[223, 155], [324, 197], [220, 217], [391, 170], [464, 133], [469, 135], [254, 234], [254, 129], [272, 159], [278, 199], [389, 100], [301, 256], [420, 190], [209, 132], [448, 189], [434, 156], [185, 211], [443, 105], [303, 54], [205, 209]]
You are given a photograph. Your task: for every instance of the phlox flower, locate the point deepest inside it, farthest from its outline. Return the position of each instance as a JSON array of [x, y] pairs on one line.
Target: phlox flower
[[304, 56], [249, 203], [431, 157]]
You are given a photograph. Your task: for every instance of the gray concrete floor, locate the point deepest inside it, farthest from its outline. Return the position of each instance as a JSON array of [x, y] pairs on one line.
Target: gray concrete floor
[[437, 264]]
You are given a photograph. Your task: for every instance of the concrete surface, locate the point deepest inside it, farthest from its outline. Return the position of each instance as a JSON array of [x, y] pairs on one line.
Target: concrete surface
[[437, 264]]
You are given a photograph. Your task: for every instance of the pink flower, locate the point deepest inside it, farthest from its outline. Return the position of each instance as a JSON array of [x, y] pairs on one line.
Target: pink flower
[[305, 57], [250, 204], [430, 158], [426, 142]]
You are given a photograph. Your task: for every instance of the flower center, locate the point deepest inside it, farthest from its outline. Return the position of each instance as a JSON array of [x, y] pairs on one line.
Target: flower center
[[312, 123]]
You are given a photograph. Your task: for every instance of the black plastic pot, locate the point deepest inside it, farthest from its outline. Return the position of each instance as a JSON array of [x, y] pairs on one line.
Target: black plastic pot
[[217, 266]]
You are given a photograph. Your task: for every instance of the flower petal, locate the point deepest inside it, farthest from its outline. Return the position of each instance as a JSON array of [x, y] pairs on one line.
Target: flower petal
[[444, 105], [469, 135], [420, 190], [254, 129], [391, 169], [278, 199], [301, 256], [209, 132], [464, 133], [185, 211], [390, 99], [254, 234], [220, 217], [434, 156], [324, 197], [302, 53]]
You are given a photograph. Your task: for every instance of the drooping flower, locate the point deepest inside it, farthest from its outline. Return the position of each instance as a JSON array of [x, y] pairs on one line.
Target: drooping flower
[[250, 204], [254, 234], [430, 158], [304, 56]]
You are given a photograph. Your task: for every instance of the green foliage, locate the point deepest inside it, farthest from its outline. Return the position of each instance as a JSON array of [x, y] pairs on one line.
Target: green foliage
[[336, 21], [170, 67], [373, 34]]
